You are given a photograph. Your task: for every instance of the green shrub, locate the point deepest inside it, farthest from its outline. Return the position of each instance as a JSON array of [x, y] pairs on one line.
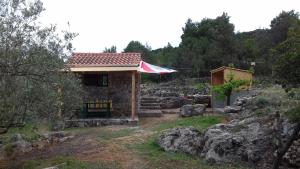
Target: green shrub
[[201, 86], [294, 93], [294, 114], [261, 102]]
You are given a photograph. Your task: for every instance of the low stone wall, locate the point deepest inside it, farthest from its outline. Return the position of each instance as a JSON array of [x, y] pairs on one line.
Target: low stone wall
[[99, 122]]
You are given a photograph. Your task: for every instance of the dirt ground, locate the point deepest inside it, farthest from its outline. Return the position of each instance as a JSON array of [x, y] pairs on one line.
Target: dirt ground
[[86, 146]]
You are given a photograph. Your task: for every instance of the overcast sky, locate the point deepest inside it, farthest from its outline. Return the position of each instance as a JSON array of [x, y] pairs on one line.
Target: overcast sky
[[103, 23]]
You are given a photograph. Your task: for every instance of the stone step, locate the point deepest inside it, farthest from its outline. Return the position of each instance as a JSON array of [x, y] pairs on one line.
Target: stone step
[[150, 107], [150, 99], [171, 111], [150, 113], [150, 104]]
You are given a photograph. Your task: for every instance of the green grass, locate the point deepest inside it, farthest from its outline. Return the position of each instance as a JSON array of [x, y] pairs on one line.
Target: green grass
[[29, 132], [67, 163], [199, 122]]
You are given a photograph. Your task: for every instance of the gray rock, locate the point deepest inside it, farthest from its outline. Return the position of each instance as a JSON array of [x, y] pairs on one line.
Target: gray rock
[[186, 110], [192, 110], [201, 99], [19, 144], [245, 141], [188, 140], [199, 109], [16, 137], [232, 109], [21, 147], [171, 102], [292, 156]]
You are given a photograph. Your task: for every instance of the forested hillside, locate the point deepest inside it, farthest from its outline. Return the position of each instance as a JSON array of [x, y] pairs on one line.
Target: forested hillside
[[211, 43]]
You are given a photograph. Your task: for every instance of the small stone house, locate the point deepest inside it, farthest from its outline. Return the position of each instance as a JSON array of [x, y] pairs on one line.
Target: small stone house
[[111, 82], [220, 75]]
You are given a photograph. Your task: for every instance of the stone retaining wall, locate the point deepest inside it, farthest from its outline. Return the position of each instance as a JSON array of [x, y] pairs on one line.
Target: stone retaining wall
[[99, 122]]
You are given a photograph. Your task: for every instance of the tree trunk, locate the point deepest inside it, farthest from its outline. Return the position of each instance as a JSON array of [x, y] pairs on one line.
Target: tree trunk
[[228, 100], [285, 148]]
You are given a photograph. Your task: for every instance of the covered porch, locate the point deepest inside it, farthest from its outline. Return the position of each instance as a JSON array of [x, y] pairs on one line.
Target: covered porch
[[111, 85]]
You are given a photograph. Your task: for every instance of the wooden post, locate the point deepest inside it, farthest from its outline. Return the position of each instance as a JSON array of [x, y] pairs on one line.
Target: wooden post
[[133, 96]]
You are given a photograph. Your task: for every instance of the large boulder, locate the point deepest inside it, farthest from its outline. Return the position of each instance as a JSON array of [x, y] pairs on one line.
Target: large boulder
[[188, 140], [192, 110], [244, 141]]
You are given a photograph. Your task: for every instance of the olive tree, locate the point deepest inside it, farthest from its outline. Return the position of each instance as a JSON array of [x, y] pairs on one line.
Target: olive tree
[[32, 58]]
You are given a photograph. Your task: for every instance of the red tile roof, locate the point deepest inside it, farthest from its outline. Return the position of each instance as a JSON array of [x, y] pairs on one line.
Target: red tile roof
[[104, 59]]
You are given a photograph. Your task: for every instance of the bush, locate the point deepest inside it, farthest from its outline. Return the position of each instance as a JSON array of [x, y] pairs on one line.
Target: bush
[[261, 102], [201, 86], [294, 93]]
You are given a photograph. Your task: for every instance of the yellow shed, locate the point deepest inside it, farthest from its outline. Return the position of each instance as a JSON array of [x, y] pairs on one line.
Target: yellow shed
[[221, 75]]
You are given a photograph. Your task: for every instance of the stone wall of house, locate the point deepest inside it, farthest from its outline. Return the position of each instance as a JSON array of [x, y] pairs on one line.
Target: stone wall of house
[[118, 90]]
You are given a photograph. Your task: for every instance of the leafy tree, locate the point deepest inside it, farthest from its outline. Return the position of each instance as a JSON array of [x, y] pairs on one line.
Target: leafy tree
[[281, 24], [31, 63], [288, 57], [136, 46], [112, 49], [225, 90], [207, 44], [287, 71]]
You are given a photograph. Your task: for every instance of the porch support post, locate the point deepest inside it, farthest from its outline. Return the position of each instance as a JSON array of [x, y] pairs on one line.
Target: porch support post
[[133, 96]]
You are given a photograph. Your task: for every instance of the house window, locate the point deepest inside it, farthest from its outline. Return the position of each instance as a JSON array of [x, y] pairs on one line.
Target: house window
[[95, 80]]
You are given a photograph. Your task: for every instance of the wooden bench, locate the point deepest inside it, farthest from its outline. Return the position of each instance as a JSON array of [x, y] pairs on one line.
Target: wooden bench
[[98, 108]]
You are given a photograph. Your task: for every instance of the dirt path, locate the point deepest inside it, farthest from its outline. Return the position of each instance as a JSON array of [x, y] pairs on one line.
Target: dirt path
[[89, 147]]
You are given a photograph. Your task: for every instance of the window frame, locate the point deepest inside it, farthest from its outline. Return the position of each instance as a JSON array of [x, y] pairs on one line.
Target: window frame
[[101, 79]]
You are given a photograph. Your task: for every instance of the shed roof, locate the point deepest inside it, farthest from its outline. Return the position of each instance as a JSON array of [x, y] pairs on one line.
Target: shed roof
[[225, 67], [104, 60]]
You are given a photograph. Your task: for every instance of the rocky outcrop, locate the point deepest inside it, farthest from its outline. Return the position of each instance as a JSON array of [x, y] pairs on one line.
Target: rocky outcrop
[[232, 109], [292, 156], [188, 140], [244, 141], [192, 110], [247, 141]]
